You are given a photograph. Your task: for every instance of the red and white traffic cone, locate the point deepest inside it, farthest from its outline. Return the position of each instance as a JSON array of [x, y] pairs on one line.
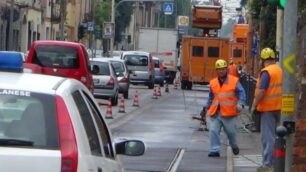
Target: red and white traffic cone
[[121, 104], [136, 100], [154, 96], [109, 112]]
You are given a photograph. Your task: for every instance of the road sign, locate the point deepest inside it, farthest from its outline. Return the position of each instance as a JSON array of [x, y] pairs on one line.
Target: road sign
[[90, 26], [183, 20], [108, 30], [168, 8]]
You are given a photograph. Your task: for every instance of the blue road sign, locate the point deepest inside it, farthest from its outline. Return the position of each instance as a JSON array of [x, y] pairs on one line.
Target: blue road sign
[[168, 8]]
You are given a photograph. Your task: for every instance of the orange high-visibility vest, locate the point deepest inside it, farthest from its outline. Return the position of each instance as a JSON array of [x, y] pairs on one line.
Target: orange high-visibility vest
[[224, 97], [273, 95], [232, 69]]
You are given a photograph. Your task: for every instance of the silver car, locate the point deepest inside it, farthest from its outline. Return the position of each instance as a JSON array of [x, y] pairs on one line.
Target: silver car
[[140, 66], [123, 77], [105, 80]]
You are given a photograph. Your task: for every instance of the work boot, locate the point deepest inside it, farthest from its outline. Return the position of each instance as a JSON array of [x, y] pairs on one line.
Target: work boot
[[235, 151], [214, 154]]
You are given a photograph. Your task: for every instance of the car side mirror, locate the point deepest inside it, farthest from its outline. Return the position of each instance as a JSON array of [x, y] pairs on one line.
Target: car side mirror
[[130, 147]]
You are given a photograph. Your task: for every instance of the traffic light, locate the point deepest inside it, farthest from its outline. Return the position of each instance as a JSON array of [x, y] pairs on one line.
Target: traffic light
[[81, 31], [282, 3]]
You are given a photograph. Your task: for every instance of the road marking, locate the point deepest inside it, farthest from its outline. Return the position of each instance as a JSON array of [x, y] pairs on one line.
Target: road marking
[[247, 160], [176, 161], [288, 63]]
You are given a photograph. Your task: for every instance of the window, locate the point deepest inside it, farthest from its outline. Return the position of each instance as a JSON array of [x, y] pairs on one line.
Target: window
[[56, 56], [237, 53], [156, 63], [103, 132], [103, 68], [213, 52], [197, 51], [88, 123], [136, 60], [118, 67], [29, 117]]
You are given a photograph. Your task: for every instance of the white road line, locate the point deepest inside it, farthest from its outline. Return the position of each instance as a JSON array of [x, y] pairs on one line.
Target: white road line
[[176, 161]]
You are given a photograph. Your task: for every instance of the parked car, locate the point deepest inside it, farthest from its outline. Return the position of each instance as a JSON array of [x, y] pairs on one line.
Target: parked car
[[60, 58], [159, 71], [53, 124], [123, 77], [105, 80], [140, 66]]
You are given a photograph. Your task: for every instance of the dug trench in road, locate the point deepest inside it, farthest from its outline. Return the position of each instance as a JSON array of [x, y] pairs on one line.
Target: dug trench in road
[[172, 137]]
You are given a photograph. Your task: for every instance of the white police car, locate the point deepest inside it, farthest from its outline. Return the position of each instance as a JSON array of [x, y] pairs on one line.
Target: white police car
[[53, 124]]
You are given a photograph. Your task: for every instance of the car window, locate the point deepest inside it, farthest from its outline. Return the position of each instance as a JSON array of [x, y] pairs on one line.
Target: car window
[[88, 123], [136, 60], [56, 56], [156, 63], [103, 132], [28, 117], [103, 67], [118, 67]]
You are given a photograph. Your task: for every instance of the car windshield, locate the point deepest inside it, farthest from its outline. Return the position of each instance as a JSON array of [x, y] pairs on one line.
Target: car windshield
[[56, 56], [136, 60], [28, 119], [119, 67], [103, 68]]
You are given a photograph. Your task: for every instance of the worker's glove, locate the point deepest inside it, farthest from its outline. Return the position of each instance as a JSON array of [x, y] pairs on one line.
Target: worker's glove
[[239, 107]]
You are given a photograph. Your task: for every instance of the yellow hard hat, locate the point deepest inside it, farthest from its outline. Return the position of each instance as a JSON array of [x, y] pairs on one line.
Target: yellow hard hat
[[220, 64], [267, 53]]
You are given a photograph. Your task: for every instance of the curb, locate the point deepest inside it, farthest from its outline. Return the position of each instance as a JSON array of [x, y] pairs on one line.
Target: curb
[[229, 160]]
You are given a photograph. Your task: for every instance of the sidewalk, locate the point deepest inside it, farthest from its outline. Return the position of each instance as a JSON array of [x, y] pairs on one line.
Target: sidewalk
[[249, 158]]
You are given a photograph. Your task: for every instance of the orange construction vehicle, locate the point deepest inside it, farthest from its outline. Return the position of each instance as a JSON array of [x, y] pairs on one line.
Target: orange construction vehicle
[[199, 53]]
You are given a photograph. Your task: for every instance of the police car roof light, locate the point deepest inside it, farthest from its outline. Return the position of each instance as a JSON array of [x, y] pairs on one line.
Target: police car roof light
[[10, 61]]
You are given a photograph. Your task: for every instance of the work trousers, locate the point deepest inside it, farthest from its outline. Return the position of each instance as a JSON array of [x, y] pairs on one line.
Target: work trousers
[[229, 126], [268, 124]]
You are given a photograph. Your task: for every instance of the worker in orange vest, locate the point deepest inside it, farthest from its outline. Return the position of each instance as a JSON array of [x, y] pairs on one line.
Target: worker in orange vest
[[226, 99], [267, 102], [232, 69]]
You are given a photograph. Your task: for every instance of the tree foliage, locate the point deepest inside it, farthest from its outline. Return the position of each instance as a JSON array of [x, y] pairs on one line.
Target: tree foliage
[[122, 19]]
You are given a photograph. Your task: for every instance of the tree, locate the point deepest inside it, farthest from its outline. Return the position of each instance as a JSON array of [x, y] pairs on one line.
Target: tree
[[122, 20]]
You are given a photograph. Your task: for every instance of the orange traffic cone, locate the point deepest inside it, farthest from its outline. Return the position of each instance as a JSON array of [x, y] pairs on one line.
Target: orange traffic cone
[[158, 91], [121, 104], [154, 96], [109, 113], [136, 100]]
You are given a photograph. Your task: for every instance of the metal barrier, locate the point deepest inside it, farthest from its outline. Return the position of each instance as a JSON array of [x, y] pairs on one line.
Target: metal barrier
[[248, 82]]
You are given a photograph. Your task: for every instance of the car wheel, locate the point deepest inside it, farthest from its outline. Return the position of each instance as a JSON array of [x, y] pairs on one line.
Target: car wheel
[[115, 100], [126, 94], [189, 85], [151, 85], [161, 84]]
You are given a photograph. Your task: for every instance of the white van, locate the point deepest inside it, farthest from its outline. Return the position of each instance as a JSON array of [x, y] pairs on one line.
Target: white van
[[140, 66]]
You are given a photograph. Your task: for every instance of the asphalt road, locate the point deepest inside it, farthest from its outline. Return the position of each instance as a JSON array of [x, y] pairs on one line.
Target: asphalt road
[[165, 124]]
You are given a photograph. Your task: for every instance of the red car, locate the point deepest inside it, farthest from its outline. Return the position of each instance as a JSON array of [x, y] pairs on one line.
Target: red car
[[60, 58]]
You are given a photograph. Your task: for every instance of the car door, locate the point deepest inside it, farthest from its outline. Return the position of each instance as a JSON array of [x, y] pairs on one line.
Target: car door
[[112, 163], [103, 154]]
